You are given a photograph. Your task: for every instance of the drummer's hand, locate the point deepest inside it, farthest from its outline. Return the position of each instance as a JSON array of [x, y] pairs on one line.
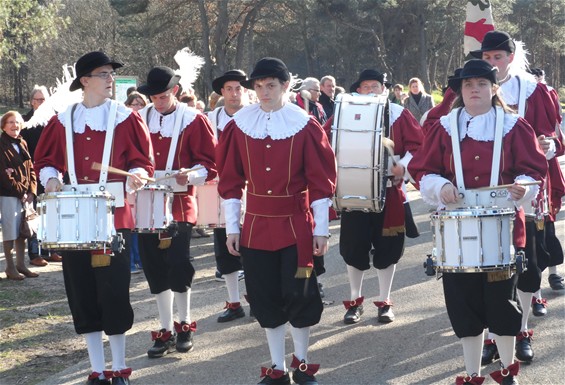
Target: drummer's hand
[[233, 244], [182, 178], [53, 185], [320, 245], [448, 194], [517, 191], [135, 182], [398, 170], [544, 143]]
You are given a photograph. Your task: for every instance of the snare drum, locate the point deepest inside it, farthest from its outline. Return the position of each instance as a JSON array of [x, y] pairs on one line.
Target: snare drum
[[362, 162], [76, 220], [153, 208], [473, 239], [210, 210]]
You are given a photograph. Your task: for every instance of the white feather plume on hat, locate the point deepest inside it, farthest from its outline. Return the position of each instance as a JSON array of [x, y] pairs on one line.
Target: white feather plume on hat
[[189, 67], [59, 100], [520, 63]]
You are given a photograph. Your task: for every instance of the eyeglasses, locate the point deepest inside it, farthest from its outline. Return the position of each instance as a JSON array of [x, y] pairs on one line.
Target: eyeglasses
[[318, 91], [137, 104], [102, 75], [39, 99]]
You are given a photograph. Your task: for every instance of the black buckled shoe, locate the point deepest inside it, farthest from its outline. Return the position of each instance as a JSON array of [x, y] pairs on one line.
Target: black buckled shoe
[[165, 342], [385, 314], [272, 376], [321, 290], [184, 336], [304, 373], [94, 379], [490, 352], [524, 351], [469, 380], [556, 282], [233, 311], [539, 306], [354, 311]]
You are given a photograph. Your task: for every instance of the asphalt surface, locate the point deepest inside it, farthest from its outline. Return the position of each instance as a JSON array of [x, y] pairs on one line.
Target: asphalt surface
[[419, 347]]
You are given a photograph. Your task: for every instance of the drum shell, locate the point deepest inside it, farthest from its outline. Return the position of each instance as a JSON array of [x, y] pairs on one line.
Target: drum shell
[[357, 140], [473, 239], [76, 220], [153, 208]]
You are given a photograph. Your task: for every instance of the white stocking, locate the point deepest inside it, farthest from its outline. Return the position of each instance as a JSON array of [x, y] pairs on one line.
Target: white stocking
[[526, 304], [232, 284], [506, 346], [182, 300], [275, 338], [385, 281], [355, 281], [118, 349], [301, 338], [165, 308], [95, 348], [472, 352], [537, 294]]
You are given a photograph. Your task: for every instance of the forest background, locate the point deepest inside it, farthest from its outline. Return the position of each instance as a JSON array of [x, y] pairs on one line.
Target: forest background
[[404, 38]]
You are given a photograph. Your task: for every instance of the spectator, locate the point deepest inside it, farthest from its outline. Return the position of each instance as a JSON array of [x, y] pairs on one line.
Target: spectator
[[213, 99], [327, 85], [418, 101], [31, 135], [135, 101], [200, 106], [398, 95], [19, 185], [307, 98]]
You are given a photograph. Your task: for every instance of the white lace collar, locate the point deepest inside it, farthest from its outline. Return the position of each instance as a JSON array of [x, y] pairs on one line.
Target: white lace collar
[[510, 90], [96, 117], [480, 127], [164, 124], [280, 124]]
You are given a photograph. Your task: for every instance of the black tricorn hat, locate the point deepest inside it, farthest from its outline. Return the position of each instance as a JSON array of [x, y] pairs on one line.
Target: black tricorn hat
[[474, 68], [495, 41], [268, 67], [89, 62], [218, 83], [370, 74], [159, 80]]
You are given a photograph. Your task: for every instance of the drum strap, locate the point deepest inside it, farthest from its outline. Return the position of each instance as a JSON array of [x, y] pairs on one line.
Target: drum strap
[[387, 119], [179, 114], [521, 97], [455, 144], [69, 130]]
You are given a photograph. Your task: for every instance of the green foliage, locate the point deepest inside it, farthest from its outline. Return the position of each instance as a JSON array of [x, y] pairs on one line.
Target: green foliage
[[25, 24]]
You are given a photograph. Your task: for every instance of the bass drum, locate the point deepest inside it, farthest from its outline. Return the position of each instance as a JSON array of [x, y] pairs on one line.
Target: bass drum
[[362, 162]]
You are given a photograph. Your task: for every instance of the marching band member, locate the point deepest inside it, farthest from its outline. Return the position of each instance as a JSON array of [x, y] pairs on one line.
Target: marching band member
[[485, 299], [289, 166], [182, 138], [97, 284], [229, 266], [383, 232], [536, 105]]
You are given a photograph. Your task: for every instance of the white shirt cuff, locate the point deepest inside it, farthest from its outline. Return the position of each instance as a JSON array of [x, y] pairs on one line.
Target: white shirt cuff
[[232, 212], [321, 214], [430, 189], [404, 161], [531, 191], [47, 173]]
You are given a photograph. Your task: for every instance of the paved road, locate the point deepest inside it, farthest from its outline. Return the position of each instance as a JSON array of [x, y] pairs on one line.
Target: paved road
[[418, 348]]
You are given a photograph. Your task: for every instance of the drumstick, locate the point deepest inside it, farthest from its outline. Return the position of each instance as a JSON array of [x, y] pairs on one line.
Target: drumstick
[[389, 145], [114, 170], [503, 186], [179, 172]]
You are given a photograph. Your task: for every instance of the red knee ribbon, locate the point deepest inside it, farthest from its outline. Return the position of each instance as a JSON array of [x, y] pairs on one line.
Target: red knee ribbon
[[355, 302], [183, 328], [273, 373], [460, 380], [490, 342], [526, 334], [309, 369], [380, 304], [124, 373], [232, 305], [163, 336], [511, 370]]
